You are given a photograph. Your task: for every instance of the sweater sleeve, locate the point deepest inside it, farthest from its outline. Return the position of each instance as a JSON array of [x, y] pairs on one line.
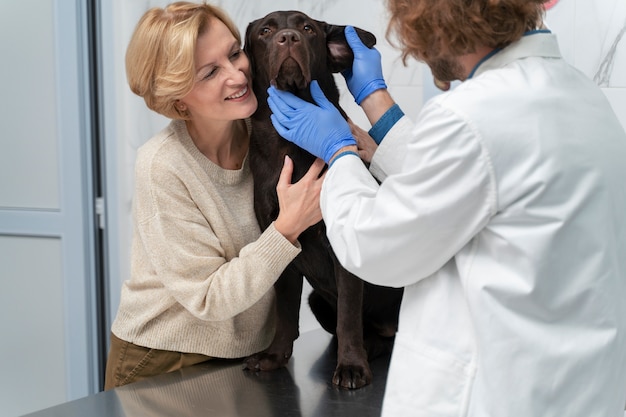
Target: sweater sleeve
[[187, 250]]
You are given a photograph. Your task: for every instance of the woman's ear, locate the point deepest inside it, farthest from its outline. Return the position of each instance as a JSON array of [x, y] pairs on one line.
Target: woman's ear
[[180, 106]]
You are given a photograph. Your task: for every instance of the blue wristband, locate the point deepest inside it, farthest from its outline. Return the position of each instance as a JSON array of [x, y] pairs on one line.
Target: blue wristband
[[344, 153], [385, 123]]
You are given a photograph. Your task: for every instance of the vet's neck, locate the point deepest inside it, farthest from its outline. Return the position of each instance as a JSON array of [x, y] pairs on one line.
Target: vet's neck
[[469, 61]]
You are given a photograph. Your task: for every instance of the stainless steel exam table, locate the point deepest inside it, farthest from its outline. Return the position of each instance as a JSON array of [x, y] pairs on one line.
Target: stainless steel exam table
[[222, 388]]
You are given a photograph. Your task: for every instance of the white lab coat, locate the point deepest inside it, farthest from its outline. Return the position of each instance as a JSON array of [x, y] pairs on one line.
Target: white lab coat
[[502, 212]]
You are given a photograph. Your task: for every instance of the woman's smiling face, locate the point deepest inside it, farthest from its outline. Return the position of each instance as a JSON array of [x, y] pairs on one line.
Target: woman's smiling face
[[222, 88]]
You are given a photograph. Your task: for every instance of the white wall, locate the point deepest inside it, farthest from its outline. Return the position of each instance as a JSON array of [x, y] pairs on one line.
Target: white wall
[[592, 36]]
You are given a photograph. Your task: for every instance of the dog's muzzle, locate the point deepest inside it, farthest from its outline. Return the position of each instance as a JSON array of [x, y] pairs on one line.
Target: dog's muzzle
[[290, 60]]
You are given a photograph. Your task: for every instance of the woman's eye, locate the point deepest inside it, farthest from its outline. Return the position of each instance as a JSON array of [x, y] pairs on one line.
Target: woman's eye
[[210, 73], [236, 54]]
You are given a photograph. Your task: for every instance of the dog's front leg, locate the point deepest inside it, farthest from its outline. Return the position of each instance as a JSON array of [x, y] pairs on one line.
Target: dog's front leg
[[353, 370], [288, 296]]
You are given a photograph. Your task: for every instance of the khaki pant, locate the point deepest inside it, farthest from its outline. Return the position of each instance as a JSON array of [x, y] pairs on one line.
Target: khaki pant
[[130, 363]]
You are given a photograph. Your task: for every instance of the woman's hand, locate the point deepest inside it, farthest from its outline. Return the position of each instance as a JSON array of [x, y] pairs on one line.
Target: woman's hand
[[366, 144], [299, 203]]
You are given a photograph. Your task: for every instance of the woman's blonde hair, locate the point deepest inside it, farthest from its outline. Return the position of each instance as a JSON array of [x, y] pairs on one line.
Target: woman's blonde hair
[[160, 58], [428, 29]]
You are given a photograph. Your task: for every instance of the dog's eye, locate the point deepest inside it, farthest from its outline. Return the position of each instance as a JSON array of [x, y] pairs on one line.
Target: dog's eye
[[308, 28], [265, 31]]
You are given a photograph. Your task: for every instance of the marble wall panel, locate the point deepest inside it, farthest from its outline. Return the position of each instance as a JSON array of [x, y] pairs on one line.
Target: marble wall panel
[[592, 36]]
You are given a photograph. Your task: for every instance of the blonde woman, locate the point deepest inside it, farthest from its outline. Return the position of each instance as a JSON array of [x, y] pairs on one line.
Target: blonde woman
[[202, 272]]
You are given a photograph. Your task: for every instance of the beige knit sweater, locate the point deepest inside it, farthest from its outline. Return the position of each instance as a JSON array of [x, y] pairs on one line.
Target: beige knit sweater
[[202, 273]]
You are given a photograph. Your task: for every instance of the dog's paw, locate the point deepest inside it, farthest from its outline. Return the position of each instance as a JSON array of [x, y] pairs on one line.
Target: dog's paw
[[352, 376], [265, 361]]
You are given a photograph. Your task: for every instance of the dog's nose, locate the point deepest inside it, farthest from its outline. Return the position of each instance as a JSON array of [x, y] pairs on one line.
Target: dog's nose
[[287, 37]]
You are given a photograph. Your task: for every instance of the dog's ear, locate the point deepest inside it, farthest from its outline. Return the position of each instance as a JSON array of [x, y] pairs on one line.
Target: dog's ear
[[247, 46], [340, 55]]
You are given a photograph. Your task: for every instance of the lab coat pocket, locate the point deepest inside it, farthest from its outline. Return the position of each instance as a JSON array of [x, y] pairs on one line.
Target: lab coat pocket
[[426, 382]]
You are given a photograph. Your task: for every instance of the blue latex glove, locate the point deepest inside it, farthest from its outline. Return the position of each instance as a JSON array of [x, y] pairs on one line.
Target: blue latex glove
[[320, 130], [366, 75]]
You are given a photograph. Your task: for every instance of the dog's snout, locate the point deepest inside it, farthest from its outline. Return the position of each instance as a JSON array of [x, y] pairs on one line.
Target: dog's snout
[[287, 37]]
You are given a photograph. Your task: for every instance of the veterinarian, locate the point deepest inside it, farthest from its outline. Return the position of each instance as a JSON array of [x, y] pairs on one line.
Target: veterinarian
[[501, 211], [202, 275]]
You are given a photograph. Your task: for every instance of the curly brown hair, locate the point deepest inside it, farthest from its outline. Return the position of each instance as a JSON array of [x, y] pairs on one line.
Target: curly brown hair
[[429, 29]]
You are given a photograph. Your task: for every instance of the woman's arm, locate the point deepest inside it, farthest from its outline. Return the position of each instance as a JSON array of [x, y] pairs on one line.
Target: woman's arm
[[210, 261]]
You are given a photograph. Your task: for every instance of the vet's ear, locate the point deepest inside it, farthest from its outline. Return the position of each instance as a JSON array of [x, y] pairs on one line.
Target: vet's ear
[[340, 54]]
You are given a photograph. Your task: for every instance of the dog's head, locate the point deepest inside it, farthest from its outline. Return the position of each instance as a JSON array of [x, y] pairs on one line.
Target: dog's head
[[289, 49]]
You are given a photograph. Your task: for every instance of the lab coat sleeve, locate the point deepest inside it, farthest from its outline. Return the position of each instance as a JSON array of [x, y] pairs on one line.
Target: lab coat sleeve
[[409, 226], [386, 160]]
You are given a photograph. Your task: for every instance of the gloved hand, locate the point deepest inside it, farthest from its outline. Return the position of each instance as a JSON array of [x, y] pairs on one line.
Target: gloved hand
[[366, 74], [320, 130]]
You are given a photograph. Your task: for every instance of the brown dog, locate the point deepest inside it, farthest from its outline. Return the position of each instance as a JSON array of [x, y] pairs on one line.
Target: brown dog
[[290, 49]]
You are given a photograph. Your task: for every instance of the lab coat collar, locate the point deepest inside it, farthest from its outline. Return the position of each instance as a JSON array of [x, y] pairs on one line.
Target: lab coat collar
[[538, 43]]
